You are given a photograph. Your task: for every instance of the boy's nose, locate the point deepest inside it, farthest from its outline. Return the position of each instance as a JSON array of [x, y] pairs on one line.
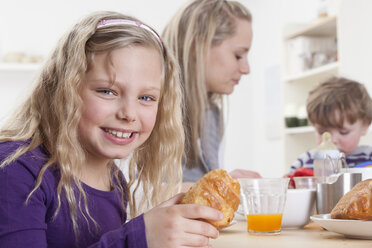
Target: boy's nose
[[335, 138]]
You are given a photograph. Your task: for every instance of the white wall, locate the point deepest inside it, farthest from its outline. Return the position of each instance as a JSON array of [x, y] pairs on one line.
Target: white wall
[[252, 137], [35, 26]]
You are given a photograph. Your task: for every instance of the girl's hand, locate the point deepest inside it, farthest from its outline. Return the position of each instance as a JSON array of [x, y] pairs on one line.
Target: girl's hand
[[238, 173], [171, 225], [186, 186]]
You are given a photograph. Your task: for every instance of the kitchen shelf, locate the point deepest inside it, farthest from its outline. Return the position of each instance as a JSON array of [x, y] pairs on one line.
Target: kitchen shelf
[[17, 67], [321, 27], [299, 130], [296, 87], [327, 70]]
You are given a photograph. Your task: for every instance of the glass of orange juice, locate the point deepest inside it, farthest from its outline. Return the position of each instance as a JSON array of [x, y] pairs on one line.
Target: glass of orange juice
[[263, 201]]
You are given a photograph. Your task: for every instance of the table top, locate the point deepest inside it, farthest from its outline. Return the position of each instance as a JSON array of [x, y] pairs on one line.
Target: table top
[[310, 236]]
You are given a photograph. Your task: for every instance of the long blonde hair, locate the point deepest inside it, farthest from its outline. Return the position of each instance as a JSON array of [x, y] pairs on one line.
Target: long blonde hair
[[190, 34], [50, 115]]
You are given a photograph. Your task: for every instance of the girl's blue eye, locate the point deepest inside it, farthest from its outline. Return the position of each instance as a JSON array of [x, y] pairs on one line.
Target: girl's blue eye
[[147, 98], [106, 91]]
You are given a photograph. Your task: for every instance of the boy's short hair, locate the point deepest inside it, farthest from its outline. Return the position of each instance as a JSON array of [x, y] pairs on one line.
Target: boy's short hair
[[338, 99]]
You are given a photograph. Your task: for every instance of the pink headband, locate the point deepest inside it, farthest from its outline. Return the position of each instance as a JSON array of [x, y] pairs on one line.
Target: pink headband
[[105, 23]]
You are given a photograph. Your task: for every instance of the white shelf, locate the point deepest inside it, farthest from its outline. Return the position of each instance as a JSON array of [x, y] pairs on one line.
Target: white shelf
[[299, 130], [321, 27], [321, 71], [15, 67], [296, 86]]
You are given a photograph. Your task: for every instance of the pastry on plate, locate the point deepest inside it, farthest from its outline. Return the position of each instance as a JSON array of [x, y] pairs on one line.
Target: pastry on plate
[[355, 204]]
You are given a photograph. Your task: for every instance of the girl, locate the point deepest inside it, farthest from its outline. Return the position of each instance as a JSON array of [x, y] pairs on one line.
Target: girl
[[109, 90], [211, 40]]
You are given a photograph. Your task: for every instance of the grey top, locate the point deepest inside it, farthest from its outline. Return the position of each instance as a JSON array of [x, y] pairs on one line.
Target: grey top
[[209, 146]]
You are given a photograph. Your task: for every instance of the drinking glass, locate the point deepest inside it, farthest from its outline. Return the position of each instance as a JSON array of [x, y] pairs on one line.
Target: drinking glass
[[263, 201]]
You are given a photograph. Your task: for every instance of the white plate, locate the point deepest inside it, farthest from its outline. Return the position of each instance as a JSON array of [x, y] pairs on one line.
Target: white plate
[[233, 222], [356, 229], [239, 216]]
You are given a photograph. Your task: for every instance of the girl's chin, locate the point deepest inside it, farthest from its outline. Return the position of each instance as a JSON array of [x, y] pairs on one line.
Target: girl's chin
[[122, 156], [118, 156]]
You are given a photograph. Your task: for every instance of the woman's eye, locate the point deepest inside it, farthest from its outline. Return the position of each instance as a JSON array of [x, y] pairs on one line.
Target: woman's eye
[[238, 57]]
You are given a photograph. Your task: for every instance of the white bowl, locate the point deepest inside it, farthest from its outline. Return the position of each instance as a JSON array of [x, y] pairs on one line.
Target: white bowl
[[306, 182], [299, 206], [366, 172]]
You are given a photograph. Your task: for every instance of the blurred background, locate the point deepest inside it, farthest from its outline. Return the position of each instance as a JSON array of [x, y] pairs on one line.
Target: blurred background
[[256, 137]]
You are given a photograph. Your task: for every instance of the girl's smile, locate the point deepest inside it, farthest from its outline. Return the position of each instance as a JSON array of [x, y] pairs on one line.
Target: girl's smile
[[121, 137]]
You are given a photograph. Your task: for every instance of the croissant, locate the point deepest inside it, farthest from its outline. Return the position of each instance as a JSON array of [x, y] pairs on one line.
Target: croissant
[[217, 190], [355, 204]]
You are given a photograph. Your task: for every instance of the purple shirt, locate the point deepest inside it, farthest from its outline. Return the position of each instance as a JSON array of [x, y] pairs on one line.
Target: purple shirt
[[33, 225]]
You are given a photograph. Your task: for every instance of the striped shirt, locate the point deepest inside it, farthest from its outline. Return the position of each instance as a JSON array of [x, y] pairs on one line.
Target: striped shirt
[[360, 155]]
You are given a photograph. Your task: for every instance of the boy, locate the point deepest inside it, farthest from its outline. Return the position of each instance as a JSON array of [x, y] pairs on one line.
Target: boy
[[343, 108]]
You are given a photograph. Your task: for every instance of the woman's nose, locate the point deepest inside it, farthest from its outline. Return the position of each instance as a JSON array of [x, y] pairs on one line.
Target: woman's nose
[[244, 67]]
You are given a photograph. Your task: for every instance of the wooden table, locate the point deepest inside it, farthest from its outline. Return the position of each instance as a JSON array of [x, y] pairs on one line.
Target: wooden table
[[311, 236]]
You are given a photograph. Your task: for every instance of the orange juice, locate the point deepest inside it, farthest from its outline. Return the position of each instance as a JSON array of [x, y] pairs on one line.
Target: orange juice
[[264, 222]]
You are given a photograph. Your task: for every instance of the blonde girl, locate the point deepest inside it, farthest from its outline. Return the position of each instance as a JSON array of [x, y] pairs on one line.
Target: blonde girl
[[211, 40], [109, 90]]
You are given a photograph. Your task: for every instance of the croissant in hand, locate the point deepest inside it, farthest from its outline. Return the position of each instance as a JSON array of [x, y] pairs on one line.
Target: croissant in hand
[[218, 190]]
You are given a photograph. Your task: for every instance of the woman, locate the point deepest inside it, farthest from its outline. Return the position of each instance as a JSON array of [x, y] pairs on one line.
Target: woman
[[211, 40]]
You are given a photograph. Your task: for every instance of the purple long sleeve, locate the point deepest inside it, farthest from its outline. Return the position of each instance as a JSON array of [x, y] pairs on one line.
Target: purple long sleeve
[[33, 225], [132, 234]]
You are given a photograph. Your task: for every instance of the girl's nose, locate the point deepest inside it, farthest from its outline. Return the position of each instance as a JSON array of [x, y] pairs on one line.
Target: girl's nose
[[127, 111]]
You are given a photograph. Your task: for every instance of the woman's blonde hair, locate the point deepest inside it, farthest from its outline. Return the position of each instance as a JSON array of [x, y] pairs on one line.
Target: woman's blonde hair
[[50, 116], [337, 100], [190, 34]]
